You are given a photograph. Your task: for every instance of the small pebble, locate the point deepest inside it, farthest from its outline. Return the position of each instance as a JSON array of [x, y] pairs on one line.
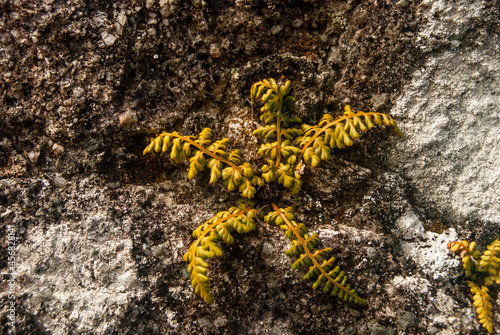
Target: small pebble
[[276, 29], [372, 253], [215, 50], [220, 322], [108, 39], [407, 319], [57, 149], [59, 181], [402, 3]]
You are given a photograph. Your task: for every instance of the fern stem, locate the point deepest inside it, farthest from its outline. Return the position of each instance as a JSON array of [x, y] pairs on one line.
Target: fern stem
[[309, 254], [278, 141]]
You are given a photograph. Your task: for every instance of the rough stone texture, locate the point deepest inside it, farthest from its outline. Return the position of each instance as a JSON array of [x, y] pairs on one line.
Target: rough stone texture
[[101, 230], [450, 115]]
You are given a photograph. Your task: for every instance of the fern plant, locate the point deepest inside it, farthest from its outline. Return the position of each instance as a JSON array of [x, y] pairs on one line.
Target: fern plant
[[479, 268], [290, 146]]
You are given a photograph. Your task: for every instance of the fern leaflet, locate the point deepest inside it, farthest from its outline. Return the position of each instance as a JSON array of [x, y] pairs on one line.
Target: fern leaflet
[[491, 262], [467, 253]]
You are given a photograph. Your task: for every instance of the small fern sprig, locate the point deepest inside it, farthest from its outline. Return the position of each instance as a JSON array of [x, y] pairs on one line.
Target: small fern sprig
[[485, 270], [468, 254], [329, 277], [481, 301], [203, 152], [220, 227]]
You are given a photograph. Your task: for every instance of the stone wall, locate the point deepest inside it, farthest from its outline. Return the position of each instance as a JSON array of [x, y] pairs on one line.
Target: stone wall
[[101, 230]]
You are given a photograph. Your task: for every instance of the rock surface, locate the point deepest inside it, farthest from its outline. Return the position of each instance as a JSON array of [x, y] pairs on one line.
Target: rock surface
[[101, 230], [450, 115]]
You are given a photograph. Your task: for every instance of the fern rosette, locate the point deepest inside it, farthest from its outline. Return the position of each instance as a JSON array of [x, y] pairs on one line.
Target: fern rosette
[[289, 145]]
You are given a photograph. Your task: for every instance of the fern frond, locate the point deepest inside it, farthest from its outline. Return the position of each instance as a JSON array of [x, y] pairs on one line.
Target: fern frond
[[468, 254], [331, 133], [282, 153], [481, 301], [491, 262], [276, 102], [208, 235], [202, 152], [330, 278]]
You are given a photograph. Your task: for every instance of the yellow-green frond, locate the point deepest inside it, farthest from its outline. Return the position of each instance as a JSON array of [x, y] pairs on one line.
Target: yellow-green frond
[[201, 153], [208, 235], [490, 261], [481, 301], [330, 280]]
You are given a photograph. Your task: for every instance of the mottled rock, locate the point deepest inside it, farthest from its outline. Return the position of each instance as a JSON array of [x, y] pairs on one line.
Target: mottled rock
[[102, 230], [406, 319], [446, 113]]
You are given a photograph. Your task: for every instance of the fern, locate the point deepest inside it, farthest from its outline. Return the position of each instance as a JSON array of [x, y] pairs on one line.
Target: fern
[[325, 274], [208, 235], [202, 152], [290, 145], [486, 269]]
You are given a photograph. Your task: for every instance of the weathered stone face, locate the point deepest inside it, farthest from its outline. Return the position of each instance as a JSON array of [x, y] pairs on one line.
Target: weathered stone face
[[101, 230]]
